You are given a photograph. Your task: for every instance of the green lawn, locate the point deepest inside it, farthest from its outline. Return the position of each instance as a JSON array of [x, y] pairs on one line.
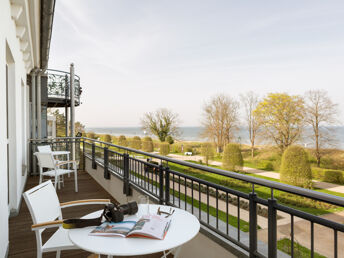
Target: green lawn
[[299, 251], [305, 205]]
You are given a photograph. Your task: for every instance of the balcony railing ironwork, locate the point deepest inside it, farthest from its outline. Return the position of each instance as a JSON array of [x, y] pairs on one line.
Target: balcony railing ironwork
[[165, 184], [59, 85]]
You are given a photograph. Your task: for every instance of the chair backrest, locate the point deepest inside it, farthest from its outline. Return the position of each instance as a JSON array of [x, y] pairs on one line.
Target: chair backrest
[[45, 159], [44, 148], [43, 203]]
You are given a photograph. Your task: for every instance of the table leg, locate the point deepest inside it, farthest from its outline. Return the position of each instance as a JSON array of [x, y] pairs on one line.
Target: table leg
[[175, 252], [68, 164]]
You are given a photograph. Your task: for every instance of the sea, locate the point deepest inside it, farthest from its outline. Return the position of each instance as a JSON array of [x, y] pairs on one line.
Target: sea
[[193, 133]]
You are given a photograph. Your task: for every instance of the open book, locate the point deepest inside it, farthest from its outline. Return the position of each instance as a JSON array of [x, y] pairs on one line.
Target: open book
[[150, 226]]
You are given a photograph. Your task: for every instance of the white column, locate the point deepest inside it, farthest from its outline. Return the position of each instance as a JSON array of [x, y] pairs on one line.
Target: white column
[[72, 108], [39, 106], [33, 105]]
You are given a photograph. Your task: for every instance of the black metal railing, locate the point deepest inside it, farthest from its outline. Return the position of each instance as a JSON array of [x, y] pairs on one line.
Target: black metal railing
[[59, 85], [229, 209]]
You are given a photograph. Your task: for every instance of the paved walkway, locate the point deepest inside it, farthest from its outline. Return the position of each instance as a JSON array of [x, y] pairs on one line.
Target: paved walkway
[[270, 174]]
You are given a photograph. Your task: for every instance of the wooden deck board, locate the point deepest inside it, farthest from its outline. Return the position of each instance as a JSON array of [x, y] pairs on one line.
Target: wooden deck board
[[22, 239]]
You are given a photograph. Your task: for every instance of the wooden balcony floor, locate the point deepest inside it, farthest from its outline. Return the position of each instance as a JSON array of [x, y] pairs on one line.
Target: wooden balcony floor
[[22, 239]]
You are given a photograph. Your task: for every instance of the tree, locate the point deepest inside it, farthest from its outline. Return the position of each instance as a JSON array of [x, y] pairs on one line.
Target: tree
[[207, 151], [79, 127], [321, 112], [60, 123], [295, 167], [282, 118], [169, 139], [107, 138], [136, 143], [250, 100], [122, 141], [232, 157], [147, 144], [220, 120], [164, 148], [161, 123]]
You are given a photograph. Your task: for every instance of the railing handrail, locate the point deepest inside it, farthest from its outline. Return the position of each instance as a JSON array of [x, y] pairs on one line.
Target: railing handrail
[[335, 200], [64, 72]]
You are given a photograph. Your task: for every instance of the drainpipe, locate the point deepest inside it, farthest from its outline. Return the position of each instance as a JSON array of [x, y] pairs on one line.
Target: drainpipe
[[72, 107], [39, 106], [33, 105]]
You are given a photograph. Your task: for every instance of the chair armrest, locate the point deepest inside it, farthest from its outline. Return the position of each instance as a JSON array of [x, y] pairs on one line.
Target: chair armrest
[[84, 202], [66, 162], [48, 224]]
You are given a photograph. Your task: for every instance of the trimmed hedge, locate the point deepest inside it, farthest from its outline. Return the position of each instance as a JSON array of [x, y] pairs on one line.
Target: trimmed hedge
[[328, 175], [147, 144], [122, 140], [136, 143], [164, 148], [232, 157], [295, 167]]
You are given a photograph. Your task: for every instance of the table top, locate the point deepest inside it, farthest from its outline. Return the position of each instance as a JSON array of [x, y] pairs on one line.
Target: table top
[[184, 227], [60, 152]]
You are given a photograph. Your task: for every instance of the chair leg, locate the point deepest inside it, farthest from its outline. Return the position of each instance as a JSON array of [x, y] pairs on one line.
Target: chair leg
[[76, 180], [59, 182], [68, 166], [58, 254]]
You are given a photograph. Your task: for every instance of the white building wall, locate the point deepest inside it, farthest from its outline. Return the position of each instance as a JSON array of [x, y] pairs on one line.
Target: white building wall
[[10, 46]]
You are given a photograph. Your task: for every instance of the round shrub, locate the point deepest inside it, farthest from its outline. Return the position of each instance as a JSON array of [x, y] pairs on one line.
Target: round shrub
[[107, 138], [169, 139], [147, 144], [333, 176], [122, 141], [176, 148], [232, 157], [164, 148], [295, 167], [136, 143]]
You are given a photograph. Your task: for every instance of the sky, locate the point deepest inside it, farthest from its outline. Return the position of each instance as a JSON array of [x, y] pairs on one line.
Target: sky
[[135, 56]]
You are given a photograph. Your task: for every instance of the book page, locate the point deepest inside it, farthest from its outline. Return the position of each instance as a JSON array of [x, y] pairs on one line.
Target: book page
[[153, 226], [113, 229]]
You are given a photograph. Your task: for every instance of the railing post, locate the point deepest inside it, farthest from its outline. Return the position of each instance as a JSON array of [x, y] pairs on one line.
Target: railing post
[[167, 186], [94, 164], [83, 155], [126, 188], [161, 184], [272, 228], [253, 224], [106, 163]]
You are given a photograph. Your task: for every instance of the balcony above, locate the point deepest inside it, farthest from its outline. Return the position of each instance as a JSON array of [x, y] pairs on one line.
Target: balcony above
[[58, 89]]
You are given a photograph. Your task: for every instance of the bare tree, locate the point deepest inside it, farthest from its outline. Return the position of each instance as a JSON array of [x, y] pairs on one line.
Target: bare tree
[[251, 100], [321, 112], [220, 120], [161, 123]]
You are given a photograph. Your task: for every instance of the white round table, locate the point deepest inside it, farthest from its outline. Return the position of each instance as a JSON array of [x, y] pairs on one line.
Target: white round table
[[184, 227]]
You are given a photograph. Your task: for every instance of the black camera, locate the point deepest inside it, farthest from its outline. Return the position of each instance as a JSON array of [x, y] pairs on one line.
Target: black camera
[[111, 213], [115, 213]]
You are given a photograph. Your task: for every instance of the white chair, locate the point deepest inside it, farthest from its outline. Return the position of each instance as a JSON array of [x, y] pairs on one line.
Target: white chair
[[46, 160], [47, 148], [45, 208]]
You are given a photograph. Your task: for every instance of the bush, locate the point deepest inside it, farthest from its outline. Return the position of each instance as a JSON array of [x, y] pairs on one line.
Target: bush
[[122, 141], [136, 143], [169, 139], [266, 165], [164, 148], [188, 148], [232, 157], [114, 139], [327, 175], [107, 138], [147, 144], [176, 148], [333, 176], [295, 167], [92, 135]]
